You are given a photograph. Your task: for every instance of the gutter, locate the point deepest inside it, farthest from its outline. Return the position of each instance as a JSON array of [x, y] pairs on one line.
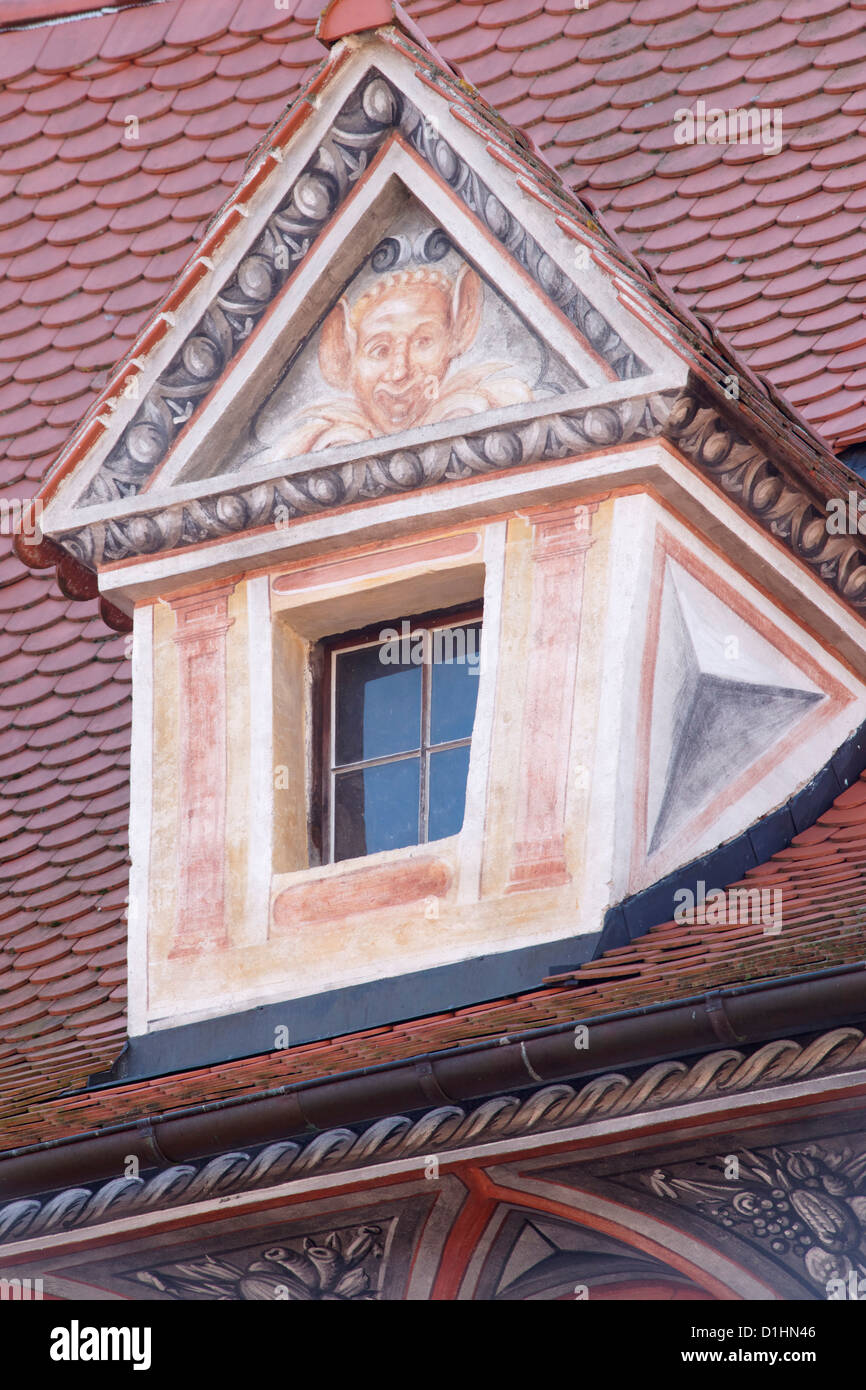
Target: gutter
[[739, 1015]]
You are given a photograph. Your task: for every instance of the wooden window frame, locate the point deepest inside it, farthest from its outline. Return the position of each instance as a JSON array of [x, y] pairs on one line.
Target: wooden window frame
[[321, 828]]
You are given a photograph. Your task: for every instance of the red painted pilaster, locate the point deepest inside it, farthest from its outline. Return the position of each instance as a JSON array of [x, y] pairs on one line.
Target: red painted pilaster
[[560, 540], [202, 624]]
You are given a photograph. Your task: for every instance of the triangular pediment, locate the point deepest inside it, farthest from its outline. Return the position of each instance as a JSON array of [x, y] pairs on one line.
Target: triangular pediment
[[412, 334], [371, 212], [418, 337], [310, 373]]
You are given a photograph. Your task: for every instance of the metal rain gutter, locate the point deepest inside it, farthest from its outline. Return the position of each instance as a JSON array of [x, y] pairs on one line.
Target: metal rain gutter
[[742, 1014]]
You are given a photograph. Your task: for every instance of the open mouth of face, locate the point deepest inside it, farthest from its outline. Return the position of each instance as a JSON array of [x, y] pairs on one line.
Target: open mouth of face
[[408, 402]]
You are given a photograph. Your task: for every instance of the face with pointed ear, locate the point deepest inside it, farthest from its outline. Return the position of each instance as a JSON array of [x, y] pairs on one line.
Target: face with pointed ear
[[394, 349]]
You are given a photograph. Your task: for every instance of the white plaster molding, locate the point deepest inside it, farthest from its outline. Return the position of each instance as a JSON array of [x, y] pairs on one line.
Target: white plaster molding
[[471, 840], [617, 705]]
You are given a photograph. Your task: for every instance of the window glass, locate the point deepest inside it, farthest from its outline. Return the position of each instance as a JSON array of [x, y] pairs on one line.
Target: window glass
[[454, 690], [447, 795], [400, 738], [377, 707], [376, 808]]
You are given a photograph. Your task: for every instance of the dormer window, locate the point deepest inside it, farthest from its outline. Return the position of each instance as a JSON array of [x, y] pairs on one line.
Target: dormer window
[[398, 716]]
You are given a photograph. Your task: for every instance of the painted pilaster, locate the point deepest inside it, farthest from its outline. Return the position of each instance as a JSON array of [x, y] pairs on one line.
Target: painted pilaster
[[140, 815], [560, 540], [202, 624], [261, 760]]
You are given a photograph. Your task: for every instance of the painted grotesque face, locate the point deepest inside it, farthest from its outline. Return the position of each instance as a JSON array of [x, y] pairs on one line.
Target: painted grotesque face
[[405, 346], [394, 349]]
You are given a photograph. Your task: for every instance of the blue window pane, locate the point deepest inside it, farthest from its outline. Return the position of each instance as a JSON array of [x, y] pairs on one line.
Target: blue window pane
[[447, 797], [454, 691], [376, 808], [377, 709]]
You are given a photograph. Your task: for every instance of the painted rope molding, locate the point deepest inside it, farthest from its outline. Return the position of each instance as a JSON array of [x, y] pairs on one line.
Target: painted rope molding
[[557, 1107], [375, 111]]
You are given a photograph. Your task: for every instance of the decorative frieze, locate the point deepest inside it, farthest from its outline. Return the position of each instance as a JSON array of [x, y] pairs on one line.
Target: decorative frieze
[[800, 1204], [686, 419], [334, 1266], [542, 440], [761, 489]]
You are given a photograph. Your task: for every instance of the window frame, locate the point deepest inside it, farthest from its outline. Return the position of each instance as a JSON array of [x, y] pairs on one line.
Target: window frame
[[321, 827]]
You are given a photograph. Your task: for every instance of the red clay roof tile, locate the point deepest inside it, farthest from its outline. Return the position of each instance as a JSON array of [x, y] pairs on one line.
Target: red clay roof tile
[[701, 52], [119, 162], [18, 347], [29, 156], [207, 125], [71, 45], [20, 51], [136, 32], [32, 81]]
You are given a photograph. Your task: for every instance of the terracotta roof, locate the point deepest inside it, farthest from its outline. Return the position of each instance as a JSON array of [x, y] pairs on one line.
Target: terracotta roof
[[64, 796], [94, 227], [823, 926]]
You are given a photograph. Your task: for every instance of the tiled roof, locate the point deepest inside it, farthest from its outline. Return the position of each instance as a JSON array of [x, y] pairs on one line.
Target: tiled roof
[[64, 797], [94, 225], [822, 918]]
